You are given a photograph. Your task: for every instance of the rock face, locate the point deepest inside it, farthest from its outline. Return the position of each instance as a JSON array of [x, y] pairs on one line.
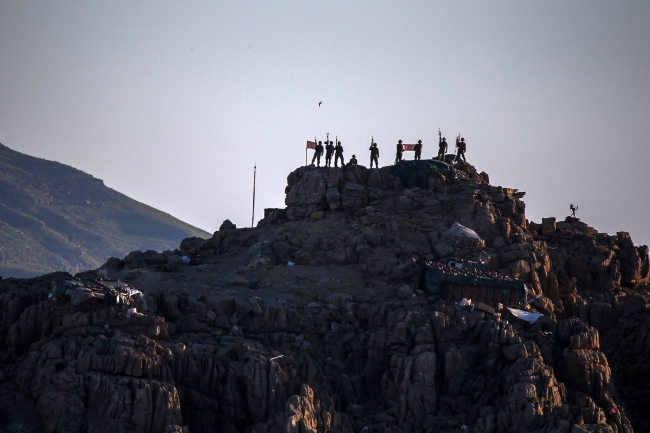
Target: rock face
[[314, 322]]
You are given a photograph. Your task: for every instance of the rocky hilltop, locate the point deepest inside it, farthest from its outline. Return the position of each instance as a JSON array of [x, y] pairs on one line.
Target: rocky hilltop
[[318, 320], [56, 218]]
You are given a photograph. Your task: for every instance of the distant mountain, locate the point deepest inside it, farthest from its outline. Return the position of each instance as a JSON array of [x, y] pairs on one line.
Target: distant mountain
[[55, 217]]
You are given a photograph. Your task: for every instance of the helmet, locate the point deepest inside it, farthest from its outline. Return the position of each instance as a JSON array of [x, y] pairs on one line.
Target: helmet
[[354, 156], [400, 141], [419, 141], [462, 139], [338, 142], [444, 138], [320, 142]]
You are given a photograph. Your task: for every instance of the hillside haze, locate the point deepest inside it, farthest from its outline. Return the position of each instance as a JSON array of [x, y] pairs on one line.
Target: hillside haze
[[54, 217]]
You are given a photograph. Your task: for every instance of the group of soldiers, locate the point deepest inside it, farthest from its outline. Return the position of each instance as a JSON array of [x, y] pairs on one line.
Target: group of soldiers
[[400, 149], [461, 147], [329, 149]]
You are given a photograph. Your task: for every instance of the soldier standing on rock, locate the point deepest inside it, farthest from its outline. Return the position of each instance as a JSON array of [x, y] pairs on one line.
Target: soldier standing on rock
[[317, 153], [338, 153], [353, 161], [400, 150], [329, 150], [418, 150], [374, 155], [461, 150], [442, 148]]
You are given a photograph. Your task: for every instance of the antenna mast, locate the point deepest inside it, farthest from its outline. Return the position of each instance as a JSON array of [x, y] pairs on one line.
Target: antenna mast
[[254, 176]]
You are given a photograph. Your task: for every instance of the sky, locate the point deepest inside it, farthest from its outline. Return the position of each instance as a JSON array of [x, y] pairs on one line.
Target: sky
[[174, 103]]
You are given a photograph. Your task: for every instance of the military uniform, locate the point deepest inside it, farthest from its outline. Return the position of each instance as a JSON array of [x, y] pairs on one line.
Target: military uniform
[[352, 161], [442, 149], [418, 150], [461, 150], [318, 152], [374, 155], [400, 150], [338, 153], [329, 150]]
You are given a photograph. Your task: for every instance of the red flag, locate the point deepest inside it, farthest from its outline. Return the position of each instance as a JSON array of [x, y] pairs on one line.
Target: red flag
[[457, 140], [311, 145], [409, 147]]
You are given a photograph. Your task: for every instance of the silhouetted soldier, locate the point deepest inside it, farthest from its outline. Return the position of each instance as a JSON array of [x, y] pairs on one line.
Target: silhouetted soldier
[[329, 150], [400, 150], [374, 155], [418, 150], [442, 149], [318, 152], [461, 150], [338, 153], [353, 161]]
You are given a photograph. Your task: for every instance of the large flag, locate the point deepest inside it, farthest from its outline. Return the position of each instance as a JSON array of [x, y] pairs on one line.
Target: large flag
[[457, 140], [311, 145], [409, 147]]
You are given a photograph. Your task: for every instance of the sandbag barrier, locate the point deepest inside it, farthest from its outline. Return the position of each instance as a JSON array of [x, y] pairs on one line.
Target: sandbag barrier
[[484, 286], [81, 290]]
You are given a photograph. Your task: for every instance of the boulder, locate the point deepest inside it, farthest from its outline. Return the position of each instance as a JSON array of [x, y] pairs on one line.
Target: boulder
[[519, 270], [113, 264], [373, 237], [135, 260], [443, 249], [309, 189], [404, 292], [548, 226], [227, 225], [152, 257]]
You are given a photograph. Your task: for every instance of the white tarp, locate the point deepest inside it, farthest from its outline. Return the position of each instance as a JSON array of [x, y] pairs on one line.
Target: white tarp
[[460, 231], [526, 316]]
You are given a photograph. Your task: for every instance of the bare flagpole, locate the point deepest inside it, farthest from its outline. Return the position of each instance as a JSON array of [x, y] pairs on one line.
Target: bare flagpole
[[254, 176]]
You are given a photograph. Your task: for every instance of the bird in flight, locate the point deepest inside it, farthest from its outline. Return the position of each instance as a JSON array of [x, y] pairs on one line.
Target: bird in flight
[[320, 103]]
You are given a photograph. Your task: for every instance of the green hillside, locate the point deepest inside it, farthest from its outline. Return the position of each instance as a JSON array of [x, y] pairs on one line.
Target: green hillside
[[54, 217]]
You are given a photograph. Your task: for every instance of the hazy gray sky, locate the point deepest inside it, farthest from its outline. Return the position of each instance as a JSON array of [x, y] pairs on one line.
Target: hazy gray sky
[[172, 103]]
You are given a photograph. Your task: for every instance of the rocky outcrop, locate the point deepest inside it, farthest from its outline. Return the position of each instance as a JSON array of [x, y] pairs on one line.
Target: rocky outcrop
[[314, 322]]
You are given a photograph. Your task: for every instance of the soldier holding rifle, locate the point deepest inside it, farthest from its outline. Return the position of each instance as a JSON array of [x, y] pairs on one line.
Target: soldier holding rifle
[[442, 146], [338, 153], [461, 149], [374, 153], [329, 150]]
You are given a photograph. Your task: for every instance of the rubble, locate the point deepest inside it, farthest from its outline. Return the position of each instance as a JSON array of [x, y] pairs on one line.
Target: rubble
[[319, 320]]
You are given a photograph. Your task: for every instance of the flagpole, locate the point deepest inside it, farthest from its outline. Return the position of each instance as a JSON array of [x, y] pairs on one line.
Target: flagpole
[[254, 176]]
